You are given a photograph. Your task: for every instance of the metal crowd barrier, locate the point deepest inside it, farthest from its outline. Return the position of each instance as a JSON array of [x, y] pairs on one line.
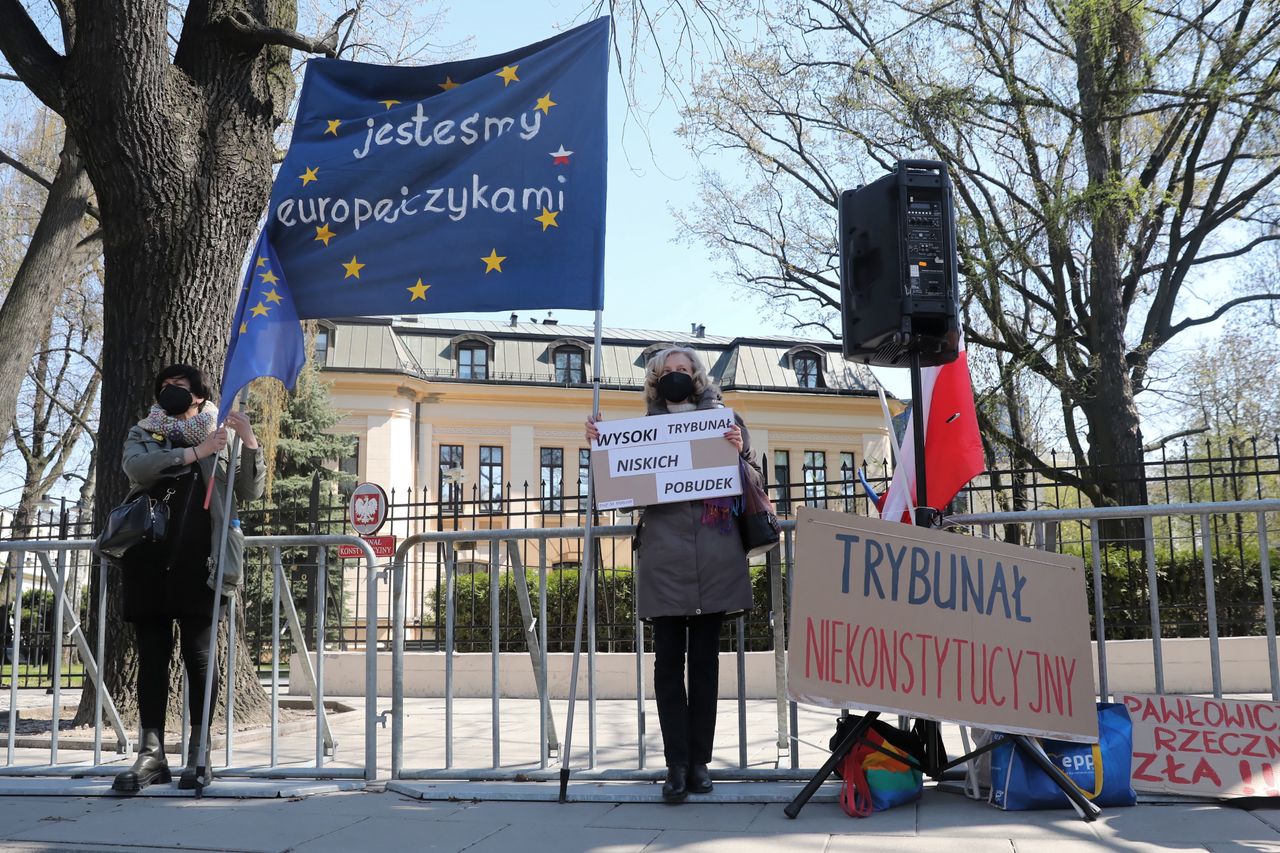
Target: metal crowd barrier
[[325, 743], [1045, 525]]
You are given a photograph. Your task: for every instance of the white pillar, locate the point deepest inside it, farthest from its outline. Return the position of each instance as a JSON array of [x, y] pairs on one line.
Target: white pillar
[[427, 463]]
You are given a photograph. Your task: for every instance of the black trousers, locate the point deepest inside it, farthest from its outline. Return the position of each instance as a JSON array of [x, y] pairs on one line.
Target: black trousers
[[688, 719], [155, 647]]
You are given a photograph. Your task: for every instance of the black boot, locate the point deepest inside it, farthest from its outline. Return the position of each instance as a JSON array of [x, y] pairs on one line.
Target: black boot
[[187, 781], [150, 768], [699, 779], [675, 789]]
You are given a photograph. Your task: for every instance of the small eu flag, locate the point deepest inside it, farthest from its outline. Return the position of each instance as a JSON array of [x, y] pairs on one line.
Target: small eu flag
[[476, 185], [266, 337]]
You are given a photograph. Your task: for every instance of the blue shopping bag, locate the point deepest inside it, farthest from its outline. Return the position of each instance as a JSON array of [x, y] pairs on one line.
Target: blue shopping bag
[[1101, 771]]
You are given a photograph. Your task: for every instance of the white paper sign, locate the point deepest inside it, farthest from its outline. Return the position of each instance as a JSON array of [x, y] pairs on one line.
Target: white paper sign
[[665, 459]]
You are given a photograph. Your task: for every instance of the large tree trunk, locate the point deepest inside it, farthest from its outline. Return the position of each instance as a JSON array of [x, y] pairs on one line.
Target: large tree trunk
[[180, 157], [1106, 40]]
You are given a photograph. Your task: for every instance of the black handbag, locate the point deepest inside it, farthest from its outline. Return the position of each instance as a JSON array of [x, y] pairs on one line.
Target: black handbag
[[143, 519], [758, 523]]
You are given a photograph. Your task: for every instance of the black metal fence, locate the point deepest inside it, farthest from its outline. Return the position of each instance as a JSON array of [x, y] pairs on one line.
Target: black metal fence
[[33, 665], [1192, 473]]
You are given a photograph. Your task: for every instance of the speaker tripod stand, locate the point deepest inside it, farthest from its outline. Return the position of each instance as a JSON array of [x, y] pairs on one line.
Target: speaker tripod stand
[[936, 763]]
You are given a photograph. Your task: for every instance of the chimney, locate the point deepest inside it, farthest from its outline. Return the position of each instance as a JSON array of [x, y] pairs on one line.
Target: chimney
[[549, 321], [699, 331], [513, 318]]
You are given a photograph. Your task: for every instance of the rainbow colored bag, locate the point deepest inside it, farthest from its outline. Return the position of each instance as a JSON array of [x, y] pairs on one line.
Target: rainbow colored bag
[[882, 771]]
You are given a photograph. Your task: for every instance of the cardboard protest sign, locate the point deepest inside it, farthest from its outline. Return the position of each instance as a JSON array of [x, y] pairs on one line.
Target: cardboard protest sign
[[1204, 746], [664, 458], [902, 619]]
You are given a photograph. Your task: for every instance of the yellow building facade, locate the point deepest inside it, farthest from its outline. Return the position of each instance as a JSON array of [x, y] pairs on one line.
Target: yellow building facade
[[501, 405], [479, 424]]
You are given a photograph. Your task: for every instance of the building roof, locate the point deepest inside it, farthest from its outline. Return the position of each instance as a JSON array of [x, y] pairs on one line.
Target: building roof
[[522, 353]]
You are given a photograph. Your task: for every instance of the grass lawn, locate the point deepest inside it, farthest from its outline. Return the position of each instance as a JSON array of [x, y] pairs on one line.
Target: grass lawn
[[36, 674]]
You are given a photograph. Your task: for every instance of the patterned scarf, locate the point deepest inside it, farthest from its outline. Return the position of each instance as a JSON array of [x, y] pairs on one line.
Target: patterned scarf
[[720, 512], [184, 432]]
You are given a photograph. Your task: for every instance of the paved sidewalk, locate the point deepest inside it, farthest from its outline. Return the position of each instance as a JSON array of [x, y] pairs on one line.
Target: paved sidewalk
[[386, 821], [252, 815]]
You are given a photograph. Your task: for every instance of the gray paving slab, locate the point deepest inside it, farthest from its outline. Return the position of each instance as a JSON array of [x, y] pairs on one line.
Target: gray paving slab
[[547, 839], [606, 792], [155, 822], [230, 788], [531, 814], [19, 814], [1269, 816], [397, 832], [830, 818], [1183, 824], [727, 817], [67, 847], [259, 826], [941, 815], [891, 844], [720, 842], [1109, 845]]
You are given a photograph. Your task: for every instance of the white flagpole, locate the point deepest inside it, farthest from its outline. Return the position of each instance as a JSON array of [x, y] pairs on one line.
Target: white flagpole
[[206, 736], [908, 491], [587, 571]]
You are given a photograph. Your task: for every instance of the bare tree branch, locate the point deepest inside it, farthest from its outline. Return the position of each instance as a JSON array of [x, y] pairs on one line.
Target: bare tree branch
[[23, 168], [244, 27], [1153, 446], [29, 54]]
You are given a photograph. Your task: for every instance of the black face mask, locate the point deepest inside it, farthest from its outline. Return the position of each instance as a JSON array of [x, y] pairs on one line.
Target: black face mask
[[175, 399], [676, 387]]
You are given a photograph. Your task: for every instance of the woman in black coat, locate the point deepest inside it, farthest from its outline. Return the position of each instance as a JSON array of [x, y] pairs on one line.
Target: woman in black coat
[[172, 454], [692, 573]]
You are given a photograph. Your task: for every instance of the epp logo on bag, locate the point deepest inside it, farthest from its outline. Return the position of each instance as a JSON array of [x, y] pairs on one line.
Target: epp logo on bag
[[1077, 763]]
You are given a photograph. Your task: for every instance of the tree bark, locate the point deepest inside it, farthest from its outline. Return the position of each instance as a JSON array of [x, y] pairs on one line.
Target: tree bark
[[1115, 435], [180, 157], [47, 267]]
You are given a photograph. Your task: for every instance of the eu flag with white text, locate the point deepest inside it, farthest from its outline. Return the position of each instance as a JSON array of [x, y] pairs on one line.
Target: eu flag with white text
[[476, 185], [266, 337]]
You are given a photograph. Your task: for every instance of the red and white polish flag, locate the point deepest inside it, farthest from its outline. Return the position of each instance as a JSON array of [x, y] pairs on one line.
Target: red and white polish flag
[[952, 443]]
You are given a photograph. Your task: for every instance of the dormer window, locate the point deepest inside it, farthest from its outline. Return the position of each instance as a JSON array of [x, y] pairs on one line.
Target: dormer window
[[321, 351], [473, 355], [473, 361], [323, 342], [807, 375], [570, 366], [569, 361], [807, 363]]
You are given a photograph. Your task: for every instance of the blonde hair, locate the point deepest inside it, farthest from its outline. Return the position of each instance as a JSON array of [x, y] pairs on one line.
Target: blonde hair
[[653, 372]]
